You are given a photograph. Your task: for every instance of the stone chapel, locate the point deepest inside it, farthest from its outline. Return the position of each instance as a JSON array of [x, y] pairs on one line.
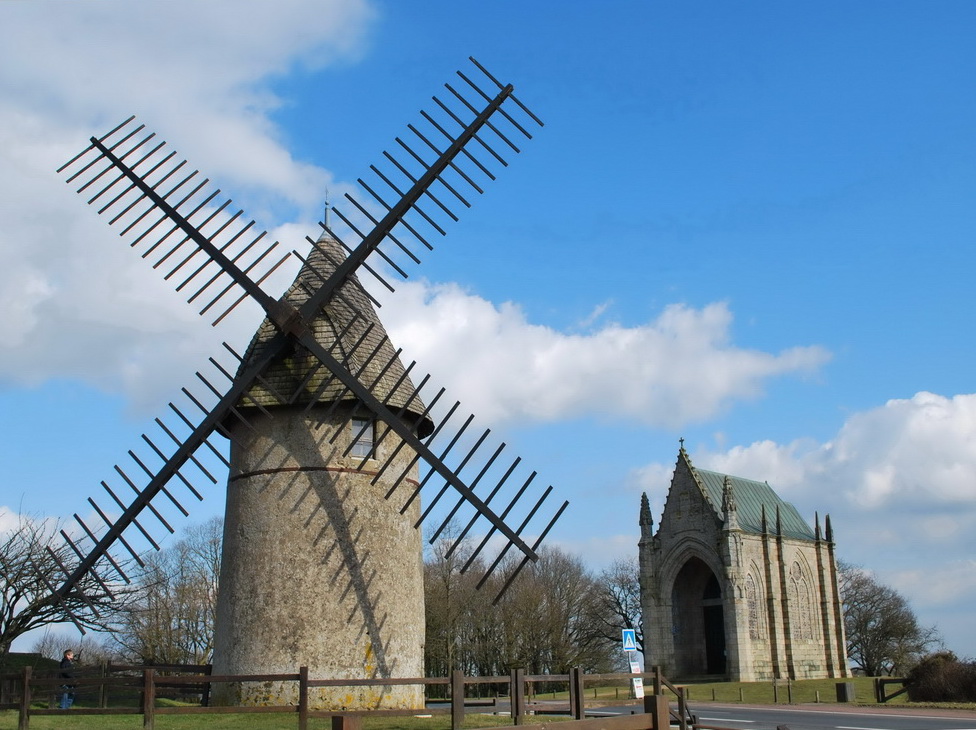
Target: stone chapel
[[735, 583]]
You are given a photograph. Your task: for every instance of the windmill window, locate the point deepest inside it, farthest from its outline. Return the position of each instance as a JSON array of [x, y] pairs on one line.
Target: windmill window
[[362, 437]]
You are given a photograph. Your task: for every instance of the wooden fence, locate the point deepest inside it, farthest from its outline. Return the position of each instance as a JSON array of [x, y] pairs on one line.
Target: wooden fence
[[881, 685], [145, 685]]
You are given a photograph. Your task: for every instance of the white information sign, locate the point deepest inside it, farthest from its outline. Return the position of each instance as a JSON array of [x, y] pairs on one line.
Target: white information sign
[[637, 681]]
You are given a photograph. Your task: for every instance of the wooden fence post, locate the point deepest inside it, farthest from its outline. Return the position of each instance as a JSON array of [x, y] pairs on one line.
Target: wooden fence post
[[103, 687], [457, 699], [650, 704], [205, 699], [517, 694], [149, 699], [659, 709], [23, 722], [573, 699], [303, 698], [683, 708], [577, 702]]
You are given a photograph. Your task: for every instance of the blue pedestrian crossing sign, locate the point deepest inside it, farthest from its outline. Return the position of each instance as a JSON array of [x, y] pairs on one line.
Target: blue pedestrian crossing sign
[[629, 639]]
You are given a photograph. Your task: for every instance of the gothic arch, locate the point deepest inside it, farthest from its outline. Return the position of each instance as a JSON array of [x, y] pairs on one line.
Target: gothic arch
[[755, 602], [698, 619], [802, 596], [691, 547]]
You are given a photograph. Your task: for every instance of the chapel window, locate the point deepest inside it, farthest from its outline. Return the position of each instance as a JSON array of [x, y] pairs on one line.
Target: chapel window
[[802, 602], [752, 603]]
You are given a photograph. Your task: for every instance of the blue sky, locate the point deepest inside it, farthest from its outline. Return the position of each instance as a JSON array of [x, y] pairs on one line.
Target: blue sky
[[749, 225]]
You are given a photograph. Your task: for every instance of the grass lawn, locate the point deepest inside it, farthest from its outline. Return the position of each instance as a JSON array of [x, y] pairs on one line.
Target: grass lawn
[[807, 690], [761, 693], [753, 693]]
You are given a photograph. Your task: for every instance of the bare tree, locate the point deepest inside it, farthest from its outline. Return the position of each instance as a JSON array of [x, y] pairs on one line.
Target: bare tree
[[31, 556], [618, 604], [545, 622], [450, 599], [91, 648], [883, 633], [49, 645], [173, 621], [567, 614]]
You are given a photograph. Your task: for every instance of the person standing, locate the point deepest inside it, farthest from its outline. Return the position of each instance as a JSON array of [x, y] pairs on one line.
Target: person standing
[[68, 674]]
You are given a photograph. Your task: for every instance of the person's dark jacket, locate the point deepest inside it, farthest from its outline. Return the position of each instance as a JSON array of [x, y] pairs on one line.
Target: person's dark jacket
[[67, 669]]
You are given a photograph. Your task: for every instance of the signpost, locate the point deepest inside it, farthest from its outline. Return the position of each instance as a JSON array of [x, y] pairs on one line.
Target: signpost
[[629, 641]]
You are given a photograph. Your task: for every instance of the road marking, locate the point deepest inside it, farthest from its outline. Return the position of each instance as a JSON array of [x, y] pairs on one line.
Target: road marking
[[855, 727], [849, 713], [872, 714], [726, 719]]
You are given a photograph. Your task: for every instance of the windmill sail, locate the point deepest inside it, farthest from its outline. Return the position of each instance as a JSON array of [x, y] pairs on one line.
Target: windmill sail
[[171, 217]]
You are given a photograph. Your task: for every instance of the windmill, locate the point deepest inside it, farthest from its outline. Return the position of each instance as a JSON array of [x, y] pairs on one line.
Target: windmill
[[327, 428]]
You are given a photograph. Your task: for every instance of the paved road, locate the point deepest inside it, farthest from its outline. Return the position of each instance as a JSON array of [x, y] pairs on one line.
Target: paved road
[[818, 717]]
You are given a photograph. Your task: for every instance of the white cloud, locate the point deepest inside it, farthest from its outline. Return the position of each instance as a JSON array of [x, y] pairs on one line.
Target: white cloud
[[681, 368], [9, 520], [76, 302], [600, 551], [922, 449], [944, 584], [899, 482], [918, 452], [199, 71], [12, 521]]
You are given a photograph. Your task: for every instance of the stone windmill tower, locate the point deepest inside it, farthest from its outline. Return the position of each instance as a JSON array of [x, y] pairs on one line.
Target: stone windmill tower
[[331, 441], [306, 475]]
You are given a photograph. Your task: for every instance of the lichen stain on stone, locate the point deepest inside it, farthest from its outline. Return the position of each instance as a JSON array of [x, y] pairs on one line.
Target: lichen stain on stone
[[369, 660], [269, 693]]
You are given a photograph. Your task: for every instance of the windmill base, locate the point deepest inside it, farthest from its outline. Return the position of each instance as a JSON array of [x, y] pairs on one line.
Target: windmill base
[[318, 569]]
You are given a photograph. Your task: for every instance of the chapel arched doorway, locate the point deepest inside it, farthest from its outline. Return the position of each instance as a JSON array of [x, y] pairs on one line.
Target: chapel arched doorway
[[698, 621]]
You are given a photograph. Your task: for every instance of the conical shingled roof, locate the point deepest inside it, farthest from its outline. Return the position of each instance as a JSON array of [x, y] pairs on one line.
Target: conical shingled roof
[[343, 328]]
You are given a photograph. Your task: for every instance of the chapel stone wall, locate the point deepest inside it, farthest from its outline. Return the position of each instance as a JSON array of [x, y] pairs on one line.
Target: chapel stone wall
[[781, 606]]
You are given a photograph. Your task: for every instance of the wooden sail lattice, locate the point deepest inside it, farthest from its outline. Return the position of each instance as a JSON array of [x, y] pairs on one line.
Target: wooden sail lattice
[[172, 217]]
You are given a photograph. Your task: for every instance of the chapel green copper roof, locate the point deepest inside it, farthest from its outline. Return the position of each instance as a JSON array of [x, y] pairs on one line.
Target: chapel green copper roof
[[750, 497], [350, 329]]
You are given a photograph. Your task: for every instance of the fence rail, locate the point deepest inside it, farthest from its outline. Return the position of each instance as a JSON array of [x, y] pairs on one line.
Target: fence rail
[[881, 688], [143, 686]]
